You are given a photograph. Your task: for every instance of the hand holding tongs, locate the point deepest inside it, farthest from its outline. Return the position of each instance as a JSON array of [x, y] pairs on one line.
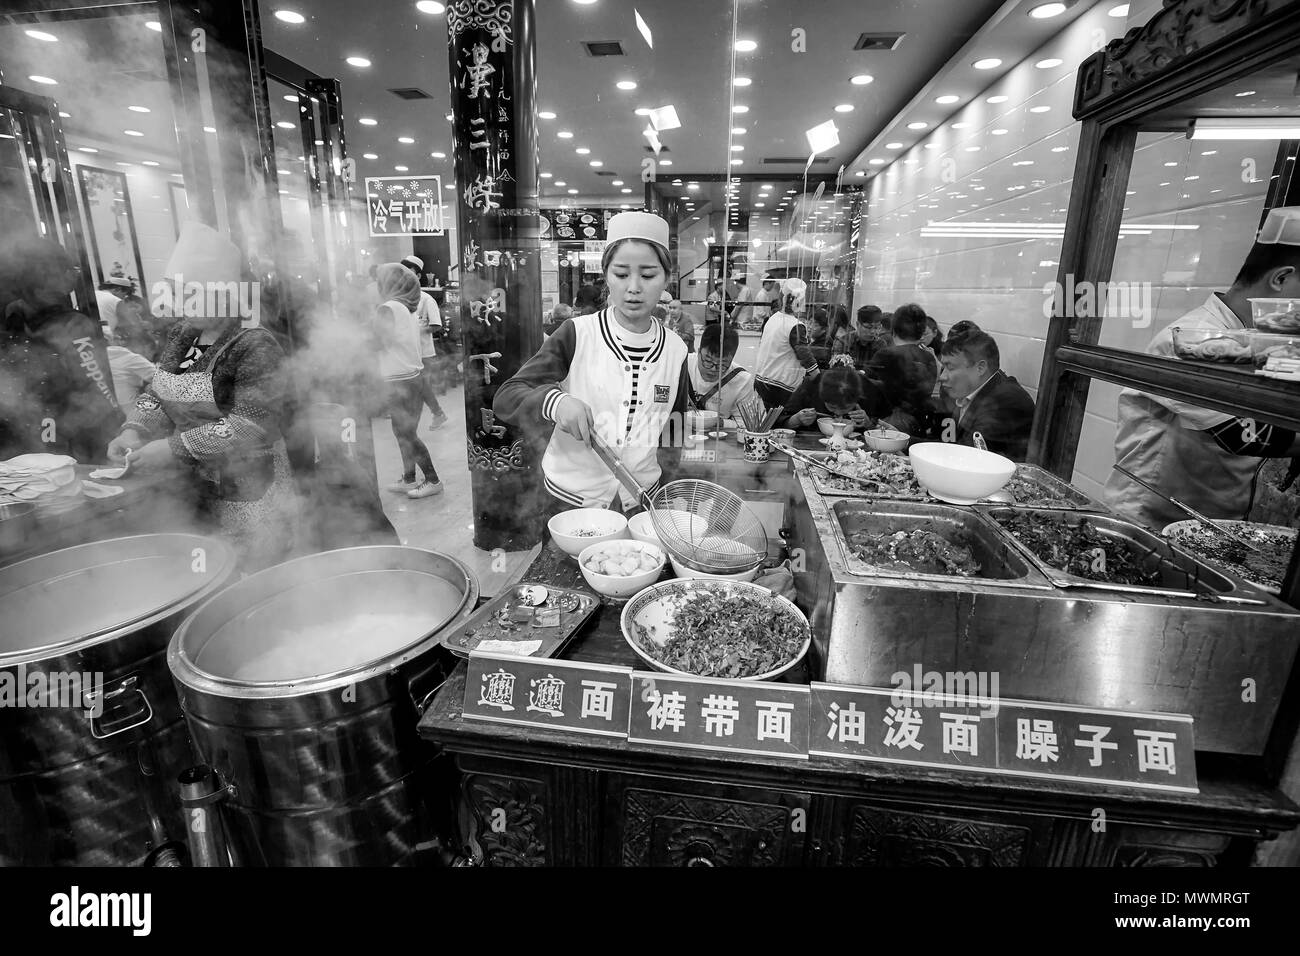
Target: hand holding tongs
[[1191, 511]]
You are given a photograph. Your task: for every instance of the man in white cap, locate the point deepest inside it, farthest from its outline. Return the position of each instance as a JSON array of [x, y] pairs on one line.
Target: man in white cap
[[1206, 459], [429, 318], [617, 374], [784, 358]]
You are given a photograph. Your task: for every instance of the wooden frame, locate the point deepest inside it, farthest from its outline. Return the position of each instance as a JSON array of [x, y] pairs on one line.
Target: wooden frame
[[91, 182]]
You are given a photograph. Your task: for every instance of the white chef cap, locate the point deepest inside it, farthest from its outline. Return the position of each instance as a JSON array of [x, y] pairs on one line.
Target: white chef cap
[[1282, 227]]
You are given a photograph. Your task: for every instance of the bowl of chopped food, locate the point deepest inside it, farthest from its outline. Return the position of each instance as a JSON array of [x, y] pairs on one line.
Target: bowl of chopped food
[[959, 474], [619, 569], [578, 528], [886, 439], [1227, 346], [1265, 569], [729, 629], [1276, 315]]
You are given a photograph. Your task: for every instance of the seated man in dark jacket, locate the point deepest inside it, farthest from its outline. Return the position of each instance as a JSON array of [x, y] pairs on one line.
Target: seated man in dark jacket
[[906, 372], [840, 392], [984, 399]]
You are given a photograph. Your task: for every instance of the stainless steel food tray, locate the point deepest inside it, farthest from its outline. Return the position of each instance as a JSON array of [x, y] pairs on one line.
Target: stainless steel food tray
[[831, 487], [1067, 496], [1001, 562], [575, 609], [1181, 574]]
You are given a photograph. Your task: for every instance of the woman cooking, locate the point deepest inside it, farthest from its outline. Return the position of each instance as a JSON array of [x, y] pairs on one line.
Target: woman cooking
[[617, 374], [212, 410]]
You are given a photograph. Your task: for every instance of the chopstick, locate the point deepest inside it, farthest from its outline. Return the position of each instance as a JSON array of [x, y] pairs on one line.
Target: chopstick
[[1189, 510]]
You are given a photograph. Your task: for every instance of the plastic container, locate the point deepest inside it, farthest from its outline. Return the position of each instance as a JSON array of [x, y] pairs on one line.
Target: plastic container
[[1266, 345], [1276, 315], [1228, 347]]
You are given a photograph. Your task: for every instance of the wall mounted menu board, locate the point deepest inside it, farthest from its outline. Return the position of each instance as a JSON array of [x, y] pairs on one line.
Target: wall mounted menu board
[[574, 225]]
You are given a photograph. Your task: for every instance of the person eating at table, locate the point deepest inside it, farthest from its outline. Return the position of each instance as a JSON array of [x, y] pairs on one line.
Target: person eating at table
[[617, 374], [841, 393], [717, 384], [983, 399]]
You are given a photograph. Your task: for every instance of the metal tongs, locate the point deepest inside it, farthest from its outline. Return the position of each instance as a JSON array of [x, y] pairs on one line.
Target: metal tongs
[[875, 483], [1189, 510]]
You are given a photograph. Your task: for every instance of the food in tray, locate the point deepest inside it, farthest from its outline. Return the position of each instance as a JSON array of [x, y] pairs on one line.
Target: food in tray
[[716, 635], [1080, 550], [1208, 345], [1285, 322], [1029, 492], [621, 559], [1264, 570], [1282, 350], [889, 473], [921, 550]]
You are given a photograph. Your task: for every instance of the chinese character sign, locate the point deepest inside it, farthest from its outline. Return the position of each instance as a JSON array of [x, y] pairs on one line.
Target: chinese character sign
[[405, 205], [568, 695]]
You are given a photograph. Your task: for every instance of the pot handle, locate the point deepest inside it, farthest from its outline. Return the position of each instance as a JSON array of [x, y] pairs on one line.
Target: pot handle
[[111, 712]]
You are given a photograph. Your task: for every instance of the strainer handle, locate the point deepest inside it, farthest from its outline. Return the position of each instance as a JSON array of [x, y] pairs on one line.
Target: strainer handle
[[611, 460]]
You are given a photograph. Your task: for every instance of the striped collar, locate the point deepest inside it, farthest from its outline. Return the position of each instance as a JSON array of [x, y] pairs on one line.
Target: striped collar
[[606, 322]]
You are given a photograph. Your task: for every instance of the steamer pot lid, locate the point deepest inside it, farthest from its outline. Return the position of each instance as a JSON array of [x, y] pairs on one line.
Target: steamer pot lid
[[55, 602], [321, 616]]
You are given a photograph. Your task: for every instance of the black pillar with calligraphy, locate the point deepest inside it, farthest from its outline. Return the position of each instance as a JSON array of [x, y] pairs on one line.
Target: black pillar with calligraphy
[[492, 58]]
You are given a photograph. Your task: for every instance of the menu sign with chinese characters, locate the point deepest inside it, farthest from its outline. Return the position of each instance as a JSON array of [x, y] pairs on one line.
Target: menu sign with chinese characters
[[566, 695], [404, 205], [1019, 738], [697, 713], [570, 224]]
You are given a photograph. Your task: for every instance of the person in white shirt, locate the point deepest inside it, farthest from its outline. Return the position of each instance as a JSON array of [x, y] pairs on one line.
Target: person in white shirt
[[1206, 459], [716, 384], [398, 332], [784, 357], [429, 317], [131, 373]]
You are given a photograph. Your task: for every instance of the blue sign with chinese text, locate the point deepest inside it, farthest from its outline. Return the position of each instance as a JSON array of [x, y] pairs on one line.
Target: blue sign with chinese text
[[566, 695], [1019, 738]]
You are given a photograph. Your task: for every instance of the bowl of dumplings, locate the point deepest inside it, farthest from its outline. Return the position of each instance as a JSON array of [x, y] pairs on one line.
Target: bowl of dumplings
[[1226, 346], [619, 569]]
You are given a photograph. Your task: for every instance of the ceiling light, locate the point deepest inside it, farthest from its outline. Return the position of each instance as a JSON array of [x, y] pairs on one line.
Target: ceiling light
[[43, 79], [132, 132], [1120, 11], [862, 79], [448, 117], [1247, 128], [893, 146], [876, 162], [42, 36], [88, 149], [738, 108], [737, 131], [573, 192], [360, 61], [65, 115], [595, 162], [918, 125], [844, 108], [625, 190], [430, 7], [546, 114], [1045, 11], [997, 99], [561, 182], [616, 182], [154, 25], [283, 125], [564, 134], [405, 139], [741, 81], [960, 125], [736, 162], [582, 151], [584, 2], [1039, 109], [643, 111], [150, 162], [665, 162], [438, 155], [737, 148], [760, 205], [626, 84], [1060, 149], [972, 149], [624, 205], [369, 155], [400, 169], [988, 63], [1049, 63], [689, 186], [999, 132], [209, 129], [1171, 164], [123, 164], [367, 121], [546, 175], [139, 109], [289, 16], [746, 46], [1209, 152], [291, 97]]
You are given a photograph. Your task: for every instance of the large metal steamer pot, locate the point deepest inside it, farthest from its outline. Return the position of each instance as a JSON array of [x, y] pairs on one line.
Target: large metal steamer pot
[[91, 780], [302, 686]]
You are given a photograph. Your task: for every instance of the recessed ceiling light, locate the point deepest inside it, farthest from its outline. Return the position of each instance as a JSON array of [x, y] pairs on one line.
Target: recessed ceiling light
[[209, 129], [43, 79], [844, 108], [368, 121], [291, 97], [88, 149], [616, 182], [1242, 93], [573, 192], [369, 155], [626, 84], [643, 111], [400, 169], [148, 162], [624, 205], [746, 46], [546, 114], [1209, 152], [691, 185], [284, 125], [360, 61], [893, 146], [972, 149], [741, 81], [737, 162], [1060, 149], [595, 162], [405, 139], [560, 182], [918, 125], [289, 16], [584, 2], [665, 162], [42, 36], [1049, 63], [1120, 11], [738, 108], [1045, 11], [430, 7], [999, 132], [960, 125], [438, 155], [737, 148], [988, 63], [862, 79], [65, 115], [547, 175], [1039, 109], [582, 151], [997, 99], [1171, 164], [132, 132], [154, 25], [564, 134], [876, 162]]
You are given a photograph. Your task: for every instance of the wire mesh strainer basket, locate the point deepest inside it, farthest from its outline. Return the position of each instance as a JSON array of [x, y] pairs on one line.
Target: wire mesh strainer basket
[[707, 527]]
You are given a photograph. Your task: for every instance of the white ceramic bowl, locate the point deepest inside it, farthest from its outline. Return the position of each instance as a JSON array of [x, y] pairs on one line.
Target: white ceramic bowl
[[690, 574], [621, 585], [642, 528], [608, 525], [701, 421], [825, 422], [886, 439], [959, 474], [651, 609]]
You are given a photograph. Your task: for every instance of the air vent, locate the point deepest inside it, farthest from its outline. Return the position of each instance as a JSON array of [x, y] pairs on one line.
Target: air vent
[[796, 160], [878, 41], [411, 93], [603, 47]]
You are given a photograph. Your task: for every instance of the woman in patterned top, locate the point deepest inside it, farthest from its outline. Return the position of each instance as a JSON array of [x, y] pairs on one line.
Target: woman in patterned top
[[212, 412]]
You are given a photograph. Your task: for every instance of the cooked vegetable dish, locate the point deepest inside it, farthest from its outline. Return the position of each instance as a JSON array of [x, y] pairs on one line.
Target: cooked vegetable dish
[[884, 472], [726, 636], [1029, 492], [1080, 550], [1265, 570], [922, 551]]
